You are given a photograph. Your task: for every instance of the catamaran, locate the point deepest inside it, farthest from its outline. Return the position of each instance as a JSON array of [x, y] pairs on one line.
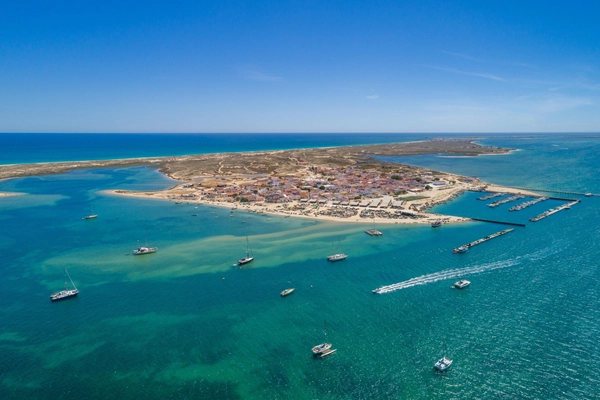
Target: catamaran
[[144, 249], [249, 256], [65, 294], [443, 364]]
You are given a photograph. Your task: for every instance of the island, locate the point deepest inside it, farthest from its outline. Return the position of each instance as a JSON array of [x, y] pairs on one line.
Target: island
[[349, 183]]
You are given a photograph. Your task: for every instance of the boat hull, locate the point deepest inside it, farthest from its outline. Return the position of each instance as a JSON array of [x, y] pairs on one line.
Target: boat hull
[[65, 294]]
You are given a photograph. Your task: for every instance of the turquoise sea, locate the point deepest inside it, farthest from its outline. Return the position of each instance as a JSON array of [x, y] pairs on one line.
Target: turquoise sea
[[183, 323]]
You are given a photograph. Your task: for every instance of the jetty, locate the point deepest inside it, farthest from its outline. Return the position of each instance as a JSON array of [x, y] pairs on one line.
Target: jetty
[[553, 211], [483, 239], [526, 204], [498, 222], [491, 196], [506, 200], [586, 194]]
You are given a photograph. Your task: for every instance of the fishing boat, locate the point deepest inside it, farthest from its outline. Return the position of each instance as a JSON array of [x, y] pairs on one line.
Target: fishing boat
[[463, 283], [65, 294], [249, 256], [287, 292], [436, 224], [443, 364], [337, 257]]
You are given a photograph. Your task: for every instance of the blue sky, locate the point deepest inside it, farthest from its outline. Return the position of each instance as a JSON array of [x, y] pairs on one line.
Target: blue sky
[[300, 66]]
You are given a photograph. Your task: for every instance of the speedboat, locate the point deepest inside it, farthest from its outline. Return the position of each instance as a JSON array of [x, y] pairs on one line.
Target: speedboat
[[337, 257], [443, 364], [463, 283]]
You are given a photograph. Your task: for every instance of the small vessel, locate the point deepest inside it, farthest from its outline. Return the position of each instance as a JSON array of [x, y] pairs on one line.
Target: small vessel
[[249, 256], [463, 283], [588, 195], [319, 349], [337, 257], [460, 249], [91, 216], [287, 292], [373, 232], [144, 250], [443, 364], [65, 294], [436, 224]]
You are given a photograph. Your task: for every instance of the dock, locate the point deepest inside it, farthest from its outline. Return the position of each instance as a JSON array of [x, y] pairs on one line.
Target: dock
[[486, 238], [506, 200], [553, 211]]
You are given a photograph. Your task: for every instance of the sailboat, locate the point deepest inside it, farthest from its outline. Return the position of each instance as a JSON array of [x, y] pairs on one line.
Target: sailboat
[[144, 249], [322, 349], [91, 216], [65, 294], [249, 256]]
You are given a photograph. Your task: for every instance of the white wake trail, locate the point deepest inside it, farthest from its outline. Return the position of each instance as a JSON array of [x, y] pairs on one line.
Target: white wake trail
[[459, 272]]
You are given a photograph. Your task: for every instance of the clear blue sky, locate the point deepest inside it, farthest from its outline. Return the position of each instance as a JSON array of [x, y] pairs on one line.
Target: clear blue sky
[[299, 66]]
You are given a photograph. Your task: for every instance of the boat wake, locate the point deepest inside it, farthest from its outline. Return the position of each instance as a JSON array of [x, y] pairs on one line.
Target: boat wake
[[459, 272]]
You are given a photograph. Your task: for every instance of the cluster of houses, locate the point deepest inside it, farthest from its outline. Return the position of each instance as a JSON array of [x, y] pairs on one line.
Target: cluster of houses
[[353, 186]]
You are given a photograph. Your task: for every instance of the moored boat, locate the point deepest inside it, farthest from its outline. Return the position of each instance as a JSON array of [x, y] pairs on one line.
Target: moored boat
[[443, 364], [337, 257], [373, 232], [287, 292], [436, 224], [249, 256], [460, 249], [144, 250], [65, 294]]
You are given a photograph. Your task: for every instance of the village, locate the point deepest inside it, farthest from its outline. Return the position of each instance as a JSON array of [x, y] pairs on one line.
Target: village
[[333, 192]]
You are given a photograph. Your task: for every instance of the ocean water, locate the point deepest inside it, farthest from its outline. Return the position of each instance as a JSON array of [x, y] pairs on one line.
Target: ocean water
[[21, 148], [183, 323]]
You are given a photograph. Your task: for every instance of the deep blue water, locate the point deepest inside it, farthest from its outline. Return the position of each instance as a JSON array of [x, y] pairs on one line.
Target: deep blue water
[[184, 323], [19, 148]]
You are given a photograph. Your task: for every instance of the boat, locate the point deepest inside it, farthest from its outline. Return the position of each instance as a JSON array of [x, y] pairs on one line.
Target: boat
[[373, 232], [144, 250], [322, 348], [249, 256], [460, 249], [91, 216], [588, 194], [287, 292], [65, 294], [443, 364], [337, 257], [436, 224], [463, 283]]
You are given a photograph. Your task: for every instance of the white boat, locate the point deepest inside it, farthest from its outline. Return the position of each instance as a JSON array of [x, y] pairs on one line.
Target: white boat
[[91, 216], [65, 294], [463, 283], [337, 257], [373, 232], [460, 249], [323, 347], [287, 292], [249, 256], [144, 250], [443, 364]]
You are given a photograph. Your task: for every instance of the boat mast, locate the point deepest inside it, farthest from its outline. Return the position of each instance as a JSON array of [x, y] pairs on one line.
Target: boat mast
[[74, 287]]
